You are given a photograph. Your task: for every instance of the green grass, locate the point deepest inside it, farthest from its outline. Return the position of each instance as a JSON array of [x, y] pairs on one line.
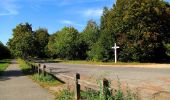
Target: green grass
[[95, 62], [44, 81], [110, 94], [24, 66], [65, 94], [3, 65]]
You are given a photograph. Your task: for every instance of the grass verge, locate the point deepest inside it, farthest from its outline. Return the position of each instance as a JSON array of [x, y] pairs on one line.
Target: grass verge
[[3, 65], [110, 94], [44, 81], [95, 62]]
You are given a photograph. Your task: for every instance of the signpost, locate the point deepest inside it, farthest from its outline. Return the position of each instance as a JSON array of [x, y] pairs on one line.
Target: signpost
[[115, 48]]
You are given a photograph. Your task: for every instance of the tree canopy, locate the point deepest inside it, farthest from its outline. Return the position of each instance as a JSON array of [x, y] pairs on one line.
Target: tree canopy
[[22, 43], [4, 52], [65, 44], [140, 27], [41, 40]]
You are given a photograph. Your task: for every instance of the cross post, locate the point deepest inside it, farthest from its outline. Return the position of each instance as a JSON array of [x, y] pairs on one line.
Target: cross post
[[115, 50]]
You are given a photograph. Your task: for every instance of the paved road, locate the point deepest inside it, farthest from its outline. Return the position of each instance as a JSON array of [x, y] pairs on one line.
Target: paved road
[[146, 80], [15, 86]]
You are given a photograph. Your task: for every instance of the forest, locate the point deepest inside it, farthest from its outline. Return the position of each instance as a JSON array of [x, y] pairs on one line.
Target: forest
[[141, 28]]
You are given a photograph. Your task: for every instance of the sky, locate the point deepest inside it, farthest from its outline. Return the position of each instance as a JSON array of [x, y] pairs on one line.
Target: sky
[[50, 14]]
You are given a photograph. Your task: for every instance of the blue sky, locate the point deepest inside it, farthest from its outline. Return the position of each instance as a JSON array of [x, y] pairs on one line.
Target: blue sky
[[50, 14]]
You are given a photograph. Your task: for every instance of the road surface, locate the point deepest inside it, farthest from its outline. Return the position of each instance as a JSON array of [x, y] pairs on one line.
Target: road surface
[[16, 86], [147, 81]]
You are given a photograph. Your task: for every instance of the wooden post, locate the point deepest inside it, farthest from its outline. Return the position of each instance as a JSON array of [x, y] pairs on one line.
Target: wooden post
[[39, 65], [32, 68], [50, 70], [105, 86], [77, 87], [43, 71]]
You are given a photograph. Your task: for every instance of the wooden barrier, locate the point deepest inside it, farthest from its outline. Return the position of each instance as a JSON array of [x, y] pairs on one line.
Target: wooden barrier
[[38, 69], [77, 86], [44, 70], [77, 83]]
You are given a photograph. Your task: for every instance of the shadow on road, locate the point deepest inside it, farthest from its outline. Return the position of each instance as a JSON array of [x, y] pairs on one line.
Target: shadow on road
[[6, 75]]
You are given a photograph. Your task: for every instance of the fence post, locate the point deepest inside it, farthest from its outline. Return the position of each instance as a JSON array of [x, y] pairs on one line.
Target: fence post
[[32, 68], [77, 87], [39, 65], [105, 86], [43, 71]]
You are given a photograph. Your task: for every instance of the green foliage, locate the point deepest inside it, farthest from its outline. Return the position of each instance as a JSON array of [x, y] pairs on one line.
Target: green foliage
[[119, 93], [41, 40], [3, 65], [90, 94], [102, 51], [4, 52], [167, 46], [65, 95], [66, 44], [42, 78], [90, 34], [21, 45], [24, 66], [139, 27], [89, 37]]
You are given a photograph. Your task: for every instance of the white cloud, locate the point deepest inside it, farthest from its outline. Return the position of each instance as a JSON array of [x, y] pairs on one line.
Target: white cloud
[[68, 22], [8, 8], [92, 13]]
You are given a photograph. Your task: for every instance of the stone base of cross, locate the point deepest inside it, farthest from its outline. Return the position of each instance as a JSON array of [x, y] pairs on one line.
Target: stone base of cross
[[115, 50]]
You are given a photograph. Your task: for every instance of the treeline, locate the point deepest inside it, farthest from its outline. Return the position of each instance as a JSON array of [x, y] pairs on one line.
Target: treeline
[[4, 52], [140, 27]]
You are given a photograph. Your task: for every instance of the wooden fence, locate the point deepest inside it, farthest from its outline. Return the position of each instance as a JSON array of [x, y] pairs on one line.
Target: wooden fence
[[76, 81]]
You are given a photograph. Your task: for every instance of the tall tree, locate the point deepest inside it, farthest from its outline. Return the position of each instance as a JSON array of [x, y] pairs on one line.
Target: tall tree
[[4, 51], [138, 26], [65, 44], [41, 40], [89, 36], [90, 33], [22, 42]]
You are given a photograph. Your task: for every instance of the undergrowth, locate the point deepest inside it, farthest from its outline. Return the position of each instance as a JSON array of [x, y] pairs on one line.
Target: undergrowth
[[110, 94], [3, 65], [45, 81]]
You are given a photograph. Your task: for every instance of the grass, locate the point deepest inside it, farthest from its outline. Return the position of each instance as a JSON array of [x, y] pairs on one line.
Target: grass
[[110, 94], [3, 65], [65, 94], [95, 62], [44, 81], [24, 66]]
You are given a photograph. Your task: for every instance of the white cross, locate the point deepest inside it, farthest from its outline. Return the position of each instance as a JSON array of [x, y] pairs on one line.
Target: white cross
[[115, 48]]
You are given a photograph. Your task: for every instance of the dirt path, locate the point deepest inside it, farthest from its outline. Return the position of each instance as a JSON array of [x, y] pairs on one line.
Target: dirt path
[[15, 86]]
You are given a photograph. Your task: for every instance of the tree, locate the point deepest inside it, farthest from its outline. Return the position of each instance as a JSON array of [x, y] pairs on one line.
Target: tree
[[41, 40], [65, 44], [22, 43], [4, 51], [89, 36], [91, 33], [139, 27]]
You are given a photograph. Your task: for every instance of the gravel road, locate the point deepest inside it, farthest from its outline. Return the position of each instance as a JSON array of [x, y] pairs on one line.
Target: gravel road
[[146, 80]]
